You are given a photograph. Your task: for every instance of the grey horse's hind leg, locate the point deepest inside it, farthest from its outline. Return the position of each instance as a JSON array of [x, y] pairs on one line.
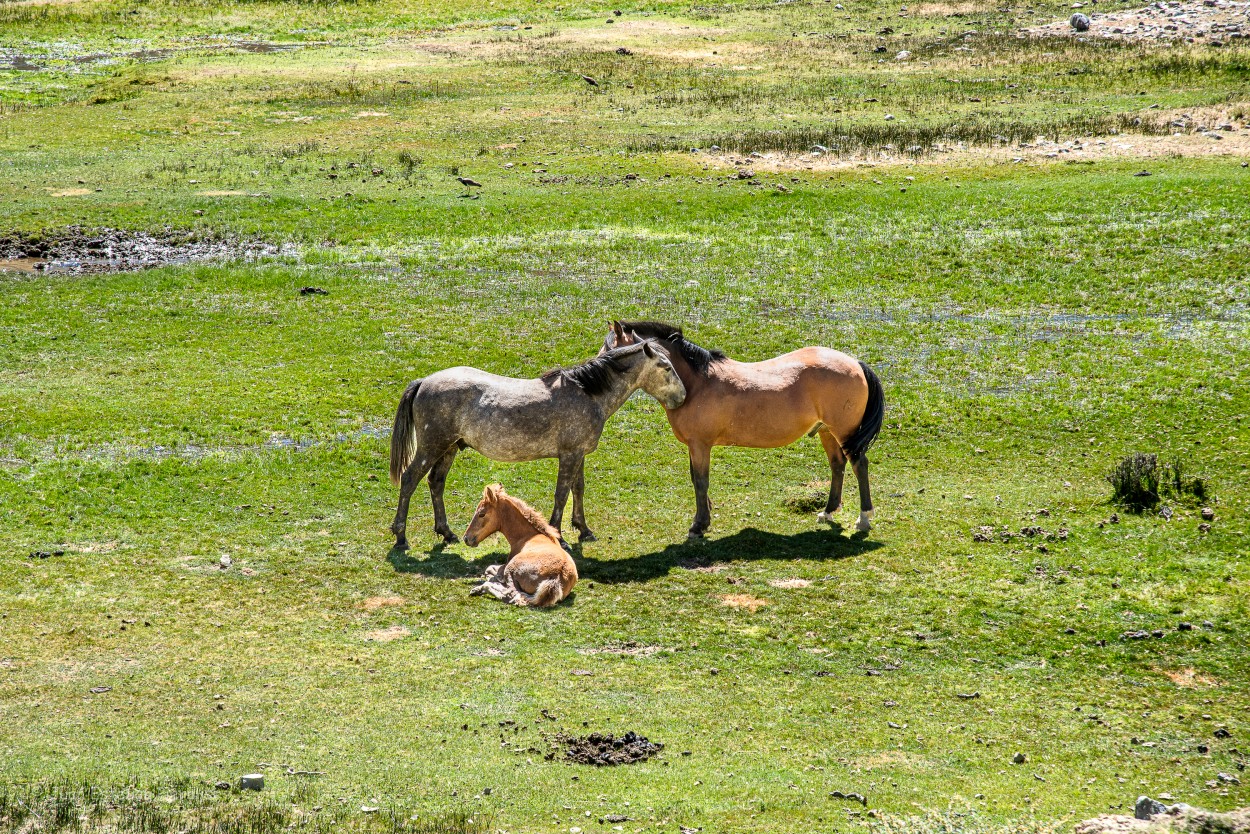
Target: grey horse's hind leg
[[564, 483], [860, 467], [585, 534], [837, 473], [407, 485], [437, 480]]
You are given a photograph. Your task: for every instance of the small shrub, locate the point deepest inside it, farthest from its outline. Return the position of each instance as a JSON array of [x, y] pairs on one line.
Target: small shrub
[[1135, 482]]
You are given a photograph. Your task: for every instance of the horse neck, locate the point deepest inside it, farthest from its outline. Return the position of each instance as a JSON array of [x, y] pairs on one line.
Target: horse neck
[[516, 528], [623, 385]]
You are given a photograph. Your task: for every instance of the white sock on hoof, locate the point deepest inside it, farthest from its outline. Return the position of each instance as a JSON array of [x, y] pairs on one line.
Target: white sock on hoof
[[824, 516], [865, 522]]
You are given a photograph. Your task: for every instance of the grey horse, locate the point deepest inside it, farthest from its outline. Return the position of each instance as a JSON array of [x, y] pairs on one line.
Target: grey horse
[[559, 415]]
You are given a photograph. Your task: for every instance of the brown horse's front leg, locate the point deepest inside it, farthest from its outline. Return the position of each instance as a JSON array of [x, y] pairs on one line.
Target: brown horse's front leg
[[579, 513], [860, 468], [700, 469], [837, 473], [437, 480], [564, 482]]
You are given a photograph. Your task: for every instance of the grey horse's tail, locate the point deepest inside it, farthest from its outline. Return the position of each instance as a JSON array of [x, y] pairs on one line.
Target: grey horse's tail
[[870, 425], [403, 439]]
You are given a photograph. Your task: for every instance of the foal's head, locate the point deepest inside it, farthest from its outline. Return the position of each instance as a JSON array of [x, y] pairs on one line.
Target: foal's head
[[485, 521]]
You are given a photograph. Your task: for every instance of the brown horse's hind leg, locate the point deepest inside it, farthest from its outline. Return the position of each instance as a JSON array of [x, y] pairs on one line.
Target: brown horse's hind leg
[[579, 513], [437, 480], [700, 474], [837, 473], [860, 467], [407, 485]]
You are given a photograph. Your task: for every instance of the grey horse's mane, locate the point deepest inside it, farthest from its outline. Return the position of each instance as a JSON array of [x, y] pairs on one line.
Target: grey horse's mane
[[699, 358], [594, 376]]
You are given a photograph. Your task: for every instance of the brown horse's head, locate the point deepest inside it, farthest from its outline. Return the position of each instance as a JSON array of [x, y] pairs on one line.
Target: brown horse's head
[[618, 336], [485, 521]]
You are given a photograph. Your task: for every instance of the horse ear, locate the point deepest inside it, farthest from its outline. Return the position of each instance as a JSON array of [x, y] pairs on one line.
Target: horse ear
[[492, 493], [648, 350], [618, 332]]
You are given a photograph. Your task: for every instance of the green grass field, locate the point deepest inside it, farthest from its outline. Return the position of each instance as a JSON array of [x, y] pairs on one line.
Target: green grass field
[[1032, 322]]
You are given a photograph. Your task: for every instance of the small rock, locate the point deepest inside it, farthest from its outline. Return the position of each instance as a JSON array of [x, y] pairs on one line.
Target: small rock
[[1204, 528], [1142, 174], [1228, 779], [225, 562], [1208, 514], [1019, 758], [313, 291], [903, 56], [252, 782], [889, 117], [1079, 22], [1146, 808], [1184, 626], [1222, 733], [222, 786]]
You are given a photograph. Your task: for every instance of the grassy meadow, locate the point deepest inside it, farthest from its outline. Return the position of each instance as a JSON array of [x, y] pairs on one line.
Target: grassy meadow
[[1033, 322]]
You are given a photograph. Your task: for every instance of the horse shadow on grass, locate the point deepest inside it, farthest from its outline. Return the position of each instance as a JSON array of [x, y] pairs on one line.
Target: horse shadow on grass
[[748, 544], [440, 563]]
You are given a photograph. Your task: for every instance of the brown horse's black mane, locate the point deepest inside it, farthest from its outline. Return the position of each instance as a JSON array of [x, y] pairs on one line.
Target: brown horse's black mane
[[594, 376], [698, 358]]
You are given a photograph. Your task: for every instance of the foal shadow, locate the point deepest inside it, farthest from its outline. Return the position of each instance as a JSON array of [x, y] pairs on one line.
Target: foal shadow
[[439, 563], [745, 545]]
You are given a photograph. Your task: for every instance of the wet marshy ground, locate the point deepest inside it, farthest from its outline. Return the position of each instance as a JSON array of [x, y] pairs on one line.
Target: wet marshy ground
[[77, 250]]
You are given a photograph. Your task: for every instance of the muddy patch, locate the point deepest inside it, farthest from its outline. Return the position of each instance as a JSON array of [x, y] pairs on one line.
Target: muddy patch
[[1215, 22], [77, 250], [56, 57], [605, 750]]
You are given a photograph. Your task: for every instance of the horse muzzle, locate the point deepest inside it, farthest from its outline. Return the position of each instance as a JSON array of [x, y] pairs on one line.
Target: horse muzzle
[[470, 540]]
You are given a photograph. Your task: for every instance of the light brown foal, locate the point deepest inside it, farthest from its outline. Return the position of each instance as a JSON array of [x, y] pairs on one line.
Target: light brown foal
[[538, 572], [813, 390]]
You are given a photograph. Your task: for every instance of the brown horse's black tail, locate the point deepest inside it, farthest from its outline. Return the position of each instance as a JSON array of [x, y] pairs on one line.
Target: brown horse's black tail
[[403, 438], [870, 426]]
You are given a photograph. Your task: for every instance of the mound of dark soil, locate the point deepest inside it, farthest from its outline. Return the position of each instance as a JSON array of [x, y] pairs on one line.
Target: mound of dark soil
[[78, 250], [604, 749]]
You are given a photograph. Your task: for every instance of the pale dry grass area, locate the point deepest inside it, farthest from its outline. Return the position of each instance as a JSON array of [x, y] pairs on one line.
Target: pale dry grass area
[[1234, 145], [742, 601]]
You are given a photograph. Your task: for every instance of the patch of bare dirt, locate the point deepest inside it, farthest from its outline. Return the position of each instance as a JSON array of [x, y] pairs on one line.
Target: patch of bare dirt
[[1180, 819], [79, 250], [789, 584], [386, 635], [1189, 677], [382, 601], [1193, 137], [742, 601], [1216, 22], [629, 648], [605, 750]]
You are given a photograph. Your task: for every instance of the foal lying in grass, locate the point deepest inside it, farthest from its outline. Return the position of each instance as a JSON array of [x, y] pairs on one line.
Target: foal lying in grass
[[538, 571]]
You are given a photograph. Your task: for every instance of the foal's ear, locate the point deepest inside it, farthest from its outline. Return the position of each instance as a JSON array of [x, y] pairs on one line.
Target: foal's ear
[[492, 493]]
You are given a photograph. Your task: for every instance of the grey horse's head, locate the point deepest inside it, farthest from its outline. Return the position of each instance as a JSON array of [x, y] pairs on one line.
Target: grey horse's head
[[658, 377]]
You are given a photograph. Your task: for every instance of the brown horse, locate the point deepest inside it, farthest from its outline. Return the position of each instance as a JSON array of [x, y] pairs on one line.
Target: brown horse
[[538, 571], [813, 390]]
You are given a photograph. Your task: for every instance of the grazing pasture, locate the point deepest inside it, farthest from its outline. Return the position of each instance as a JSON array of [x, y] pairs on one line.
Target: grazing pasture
[[1038, 244]]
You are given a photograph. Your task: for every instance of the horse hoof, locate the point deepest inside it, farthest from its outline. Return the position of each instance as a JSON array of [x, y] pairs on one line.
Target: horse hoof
[[477, 591], [450, 538], [825, 517], [401, 544], [566, 547], [695, 536], [865, 522], [587, 536]]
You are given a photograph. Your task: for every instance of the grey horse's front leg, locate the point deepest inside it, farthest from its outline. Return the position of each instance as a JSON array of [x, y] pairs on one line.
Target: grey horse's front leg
[[585, 534], [437, 480], [700, 474], [564, 483]]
